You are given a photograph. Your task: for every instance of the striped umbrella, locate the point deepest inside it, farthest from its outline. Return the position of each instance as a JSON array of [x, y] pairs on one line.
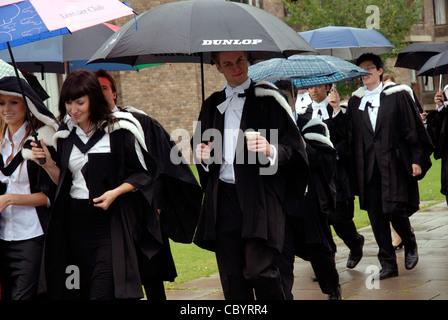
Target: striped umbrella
[[306, 70]]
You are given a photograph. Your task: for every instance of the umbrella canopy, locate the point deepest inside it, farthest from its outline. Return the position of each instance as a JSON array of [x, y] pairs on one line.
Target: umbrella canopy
[[181, 31], [305, 66], [28, 21], [6, 70], [187, 31], [435, 65], [415, 55], [49, 55], [347, 42]]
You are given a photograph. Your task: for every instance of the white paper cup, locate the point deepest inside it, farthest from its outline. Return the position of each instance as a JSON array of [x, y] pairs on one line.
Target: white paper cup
[[251, 134]]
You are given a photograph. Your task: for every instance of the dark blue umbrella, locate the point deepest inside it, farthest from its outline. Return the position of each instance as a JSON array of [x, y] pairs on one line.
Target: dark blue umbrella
[[347, 42], [306, 70]]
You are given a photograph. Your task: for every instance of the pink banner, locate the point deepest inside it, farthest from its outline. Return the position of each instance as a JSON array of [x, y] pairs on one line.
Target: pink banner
[[79, 14]]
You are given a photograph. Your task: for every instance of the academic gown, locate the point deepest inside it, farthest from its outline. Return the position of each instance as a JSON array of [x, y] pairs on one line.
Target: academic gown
[[437, 126], [174, 188], [400, 139], [106, 171], [345, 176], [263, 199], [311, 226]]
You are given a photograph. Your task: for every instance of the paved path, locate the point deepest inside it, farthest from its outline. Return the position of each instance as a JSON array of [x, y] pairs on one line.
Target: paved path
[[427, 281]]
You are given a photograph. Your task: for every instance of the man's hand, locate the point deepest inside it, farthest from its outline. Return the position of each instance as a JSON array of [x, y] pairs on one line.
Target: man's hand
[[438, 98], [334, 101], [203, 151], [416, 170], [260, 144]]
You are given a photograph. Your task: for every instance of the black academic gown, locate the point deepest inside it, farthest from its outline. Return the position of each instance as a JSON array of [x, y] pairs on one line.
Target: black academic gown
[[174, 190], [263, 199], [345, 175], [106, 171], [311, 227], [437, 126], [400, 139]]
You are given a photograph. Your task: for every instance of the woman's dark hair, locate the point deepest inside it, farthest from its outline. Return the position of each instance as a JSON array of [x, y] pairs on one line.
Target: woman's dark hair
[[80, 83], [376, 60]]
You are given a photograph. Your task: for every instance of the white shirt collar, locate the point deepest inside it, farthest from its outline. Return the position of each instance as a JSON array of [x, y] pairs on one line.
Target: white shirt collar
[[18, 136], [233, 92], [372, 96], [320, 105]]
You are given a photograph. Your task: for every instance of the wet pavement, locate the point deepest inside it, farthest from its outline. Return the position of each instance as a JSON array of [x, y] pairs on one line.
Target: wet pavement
[[427, 281]]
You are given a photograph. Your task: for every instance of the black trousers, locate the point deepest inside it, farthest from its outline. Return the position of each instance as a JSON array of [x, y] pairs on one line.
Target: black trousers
[[89, 237], [380, 222], [20, 263], [342, 221], [246, 266], [322, 260]]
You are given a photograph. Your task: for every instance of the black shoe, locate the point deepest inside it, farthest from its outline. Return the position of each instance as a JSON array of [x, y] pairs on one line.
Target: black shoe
[[410, 258], [399, 246], [388, 273], [355, 255], [335, 295]]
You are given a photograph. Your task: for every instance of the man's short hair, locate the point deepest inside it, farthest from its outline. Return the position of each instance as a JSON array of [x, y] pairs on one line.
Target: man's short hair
[[376, 60], [104, 74]]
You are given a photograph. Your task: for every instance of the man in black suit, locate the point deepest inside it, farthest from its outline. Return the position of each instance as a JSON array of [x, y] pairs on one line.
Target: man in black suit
[[391, 151], [250, 185], [325, 105]]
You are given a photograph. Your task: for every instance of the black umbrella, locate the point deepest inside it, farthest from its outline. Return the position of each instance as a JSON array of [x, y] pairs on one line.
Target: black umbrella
[[187, 31], [415, 55], [436, 65]]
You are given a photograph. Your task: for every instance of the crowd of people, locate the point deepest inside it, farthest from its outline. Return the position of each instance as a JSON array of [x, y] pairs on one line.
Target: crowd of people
[[94, 191]]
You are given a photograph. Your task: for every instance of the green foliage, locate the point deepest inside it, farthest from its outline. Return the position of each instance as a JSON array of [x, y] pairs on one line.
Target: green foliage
[[395, 17]]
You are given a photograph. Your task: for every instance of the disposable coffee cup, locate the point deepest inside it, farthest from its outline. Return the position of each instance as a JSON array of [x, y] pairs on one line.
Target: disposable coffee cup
[[251, 134]]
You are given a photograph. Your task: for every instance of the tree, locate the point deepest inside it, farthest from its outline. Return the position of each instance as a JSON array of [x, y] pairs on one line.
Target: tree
[[393, 18], [396, 17]]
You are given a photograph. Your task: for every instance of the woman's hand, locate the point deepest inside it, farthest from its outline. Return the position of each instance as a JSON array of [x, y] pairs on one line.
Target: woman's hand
[[49, 165], [4, 202], [105, 200], [41, 153]]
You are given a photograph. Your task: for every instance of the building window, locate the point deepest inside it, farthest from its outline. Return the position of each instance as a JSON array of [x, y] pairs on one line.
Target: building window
[[440, 11], [428, 83], [255, 3]]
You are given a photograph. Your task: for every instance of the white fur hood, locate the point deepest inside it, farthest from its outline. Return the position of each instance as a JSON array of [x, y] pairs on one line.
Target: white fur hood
[[125, 121], [388, 89], [264, 88]]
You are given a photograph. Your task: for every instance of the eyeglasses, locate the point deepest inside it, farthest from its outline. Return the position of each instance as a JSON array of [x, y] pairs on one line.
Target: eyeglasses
[[370, 68]]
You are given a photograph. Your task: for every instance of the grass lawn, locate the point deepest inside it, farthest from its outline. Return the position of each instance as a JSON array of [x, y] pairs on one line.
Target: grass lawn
[[193, 262]]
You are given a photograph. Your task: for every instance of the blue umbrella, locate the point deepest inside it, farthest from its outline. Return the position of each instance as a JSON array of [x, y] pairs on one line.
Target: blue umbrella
[[347, 42], [306, 70], [23, 22], [49, 55]]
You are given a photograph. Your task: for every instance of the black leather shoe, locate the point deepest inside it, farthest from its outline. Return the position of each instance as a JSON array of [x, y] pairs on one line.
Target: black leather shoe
[[410, 258], [388, 273], [355, 255], [335, 295]]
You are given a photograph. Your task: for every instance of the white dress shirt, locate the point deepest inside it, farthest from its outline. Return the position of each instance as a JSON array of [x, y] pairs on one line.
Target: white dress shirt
[[372, 96], [17, 222], [322, 107], [232, 108], [78, 159]]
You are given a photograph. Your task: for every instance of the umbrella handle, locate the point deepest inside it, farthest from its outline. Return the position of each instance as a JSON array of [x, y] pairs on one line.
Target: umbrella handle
[[28, 112], [39, 145]]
